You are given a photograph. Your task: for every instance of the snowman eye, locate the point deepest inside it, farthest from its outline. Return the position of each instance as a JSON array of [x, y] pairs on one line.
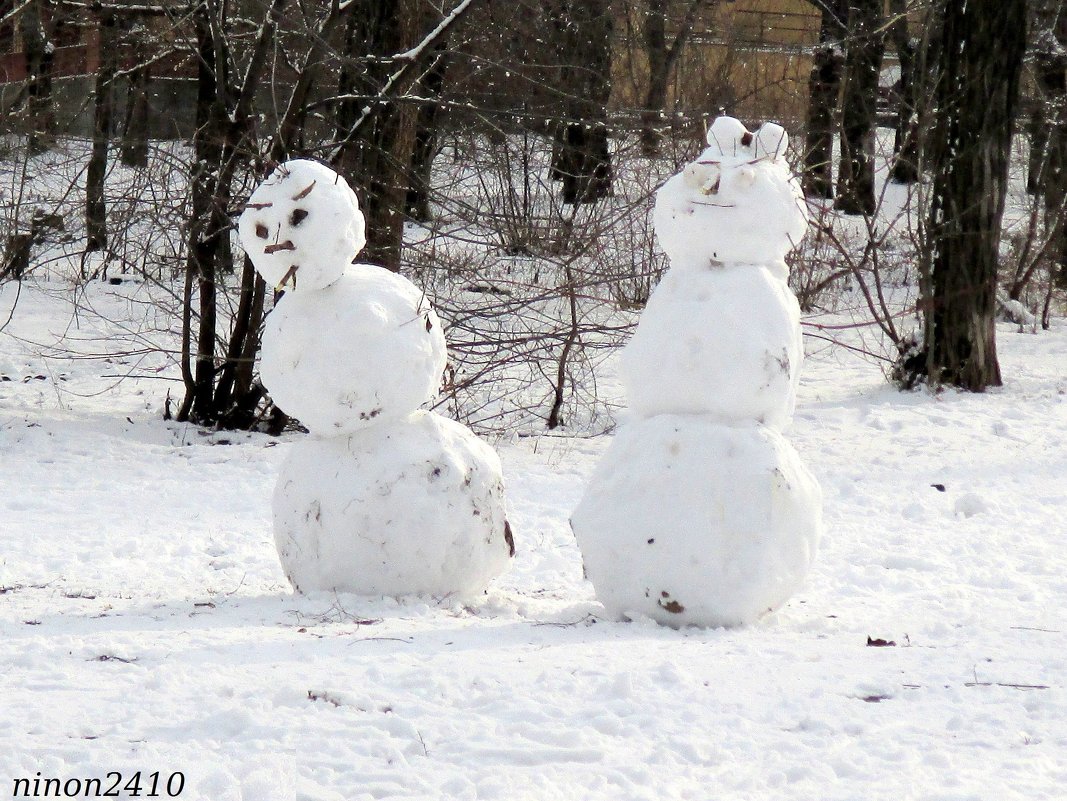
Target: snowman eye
[[261, 231], [297, 217], [703, 177]]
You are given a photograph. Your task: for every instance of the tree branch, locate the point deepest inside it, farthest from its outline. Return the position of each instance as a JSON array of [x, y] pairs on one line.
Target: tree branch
[[400, 79], [289, 126]]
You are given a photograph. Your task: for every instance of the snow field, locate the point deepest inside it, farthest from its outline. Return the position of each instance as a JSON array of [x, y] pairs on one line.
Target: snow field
[[152, 543]]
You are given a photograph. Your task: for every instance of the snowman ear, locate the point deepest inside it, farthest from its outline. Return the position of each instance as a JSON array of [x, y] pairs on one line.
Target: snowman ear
[[771, 141], [728, 135]]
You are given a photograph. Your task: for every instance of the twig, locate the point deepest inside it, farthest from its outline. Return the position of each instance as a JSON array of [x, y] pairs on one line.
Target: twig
[[316, 696], [113, 658], [583, 619], [1006, 684]]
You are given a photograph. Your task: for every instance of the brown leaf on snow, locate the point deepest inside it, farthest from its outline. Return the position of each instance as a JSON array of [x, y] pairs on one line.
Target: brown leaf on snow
[[877, 643]]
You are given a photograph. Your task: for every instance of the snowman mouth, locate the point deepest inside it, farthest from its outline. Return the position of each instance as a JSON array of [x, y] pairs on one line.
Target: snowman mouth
[[716, 205], [290, 275], [286, 245]]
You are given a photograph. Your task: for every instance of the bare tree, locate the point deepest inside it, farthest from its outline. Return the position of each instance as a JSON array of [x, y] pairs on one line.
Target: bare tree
[[824, 87], [905, 167], [583, 40], [224, 125], [380, 158], [981, 53], [863, 64], [134, 152], [427, 134], [387, 49], [1047, 172], [103, 105], [40, 53], [662, 59]]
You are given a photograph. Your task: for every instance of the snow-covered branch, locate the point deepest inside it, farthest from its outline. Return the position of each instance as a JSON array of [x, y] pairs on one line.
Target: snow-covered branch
[[14, 12], [289, 126], [122, 8], [397, 81], [264, 39]]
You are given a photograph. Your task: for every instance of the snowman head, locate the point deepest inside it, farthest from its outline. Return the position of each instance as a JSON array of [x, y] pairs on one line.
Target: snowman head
[[302, 226], [737, 203]]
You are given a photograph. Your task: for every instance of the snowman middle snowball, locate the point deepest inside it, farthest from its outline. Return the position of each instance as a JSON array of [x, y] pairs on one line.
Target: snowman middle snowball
[[353, 351]]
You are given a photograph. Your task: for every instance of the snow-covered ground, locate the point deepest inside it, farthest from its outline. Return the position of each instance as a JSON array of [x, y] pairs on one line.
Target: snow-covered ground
[[147, 625]]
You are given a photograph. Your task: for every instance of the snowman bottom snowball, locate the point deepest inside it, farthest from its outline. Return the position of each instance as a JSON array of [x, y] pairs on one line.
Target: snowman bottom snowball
[[690, 522], [413, 506]]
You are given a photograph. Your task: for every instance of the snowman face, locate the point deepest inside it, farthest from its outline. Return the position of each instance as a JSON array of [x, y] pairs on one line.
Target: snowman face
[[302, 226], [737, 203]]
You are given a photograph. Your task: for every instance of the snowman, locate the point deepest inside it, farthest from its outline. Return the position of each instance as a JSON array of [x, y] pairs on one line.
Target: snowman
[[700, 512], [383, 498]]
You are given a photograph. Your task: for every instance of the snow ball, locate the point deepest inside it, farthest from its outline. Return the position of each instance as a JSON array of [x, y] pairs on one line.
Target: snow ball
[[691, 522], [414, 506], [367, 348], [737, 203], [724, 342], [302, 226], [969, 504]]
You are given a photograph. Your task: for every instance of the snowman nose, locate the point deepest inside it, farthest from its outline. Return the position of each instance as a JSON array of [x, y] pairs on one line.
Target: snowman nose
[[286, 245]]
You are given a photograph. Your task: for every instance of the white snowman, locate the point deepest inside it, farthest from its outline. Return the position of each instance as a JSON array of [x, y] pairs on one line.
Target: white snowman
[[382, 498], [700, 512]]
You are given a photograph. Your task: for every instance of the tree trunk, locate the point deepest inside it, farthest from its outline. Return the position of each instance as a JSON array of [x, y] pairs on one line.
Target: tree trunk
[[655, 36], [980, 62], [661, 62], [103, 103], [135, 124], [237, 393], [208, 221], [863, 63], [1051, 68], [224, 130], [1048, 69], [16, 256], [1050, 74], [905, 168], [1039, 140], [39, 57], [426, 130], [584, 40], [380, 161], [824, 87]]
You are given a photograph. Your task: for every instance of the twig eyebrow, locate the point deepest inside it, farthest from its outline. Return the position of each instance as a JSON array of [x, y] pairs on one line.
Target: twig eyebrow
[[303, 193]]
